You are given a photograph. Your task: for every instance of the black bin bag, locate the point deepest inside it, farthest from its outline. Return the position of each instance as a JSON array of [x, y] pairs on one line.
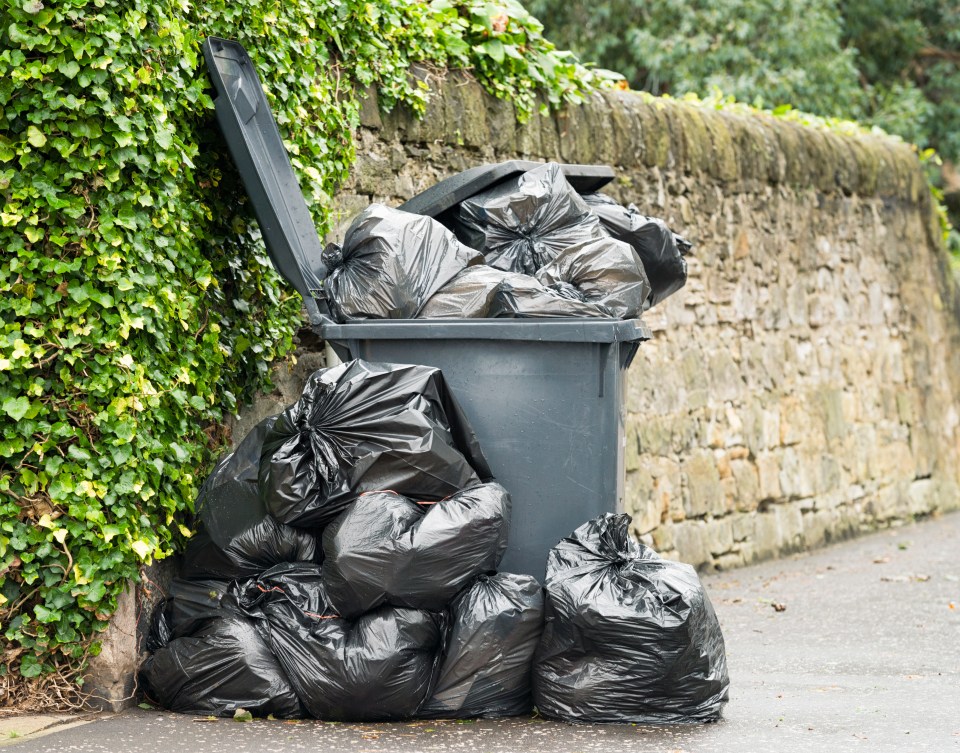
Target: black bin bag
[[522, 224], [223, 666], [483, 292], [606, 273], [391, 262], [660, 249], [237, 538], [387, 549], [628, 636], [189, 604], [379, 667], [488, 658], [364, 426]]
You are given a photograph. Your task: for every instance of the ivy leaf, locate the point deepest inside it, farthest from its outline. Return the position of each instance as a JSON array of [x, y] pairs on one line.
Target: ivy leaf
[[29, 666], [16, 407], [35, 136], [32, 7], [69, 69], [494, 48], [142, 548]]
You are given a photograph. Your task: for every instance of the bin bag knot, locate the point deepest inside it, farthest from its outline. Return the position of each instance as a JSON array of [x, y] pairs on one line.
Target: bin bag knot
[[660, 249], [495, 625], [628, 636], [364, 426], [387, 549], [522, 224], [390, 264]]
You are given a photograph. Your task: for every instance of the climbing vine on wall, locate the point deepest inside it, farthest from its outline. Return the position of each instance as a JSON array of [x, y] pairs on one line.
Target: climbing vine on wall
[[137, 306]]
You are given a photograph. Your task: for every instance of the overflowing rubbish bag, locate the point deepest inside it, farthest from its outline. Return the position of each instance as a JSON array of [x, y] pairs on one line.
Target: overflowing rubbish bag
[[189, 604], [388, 549], [483, 292], [495, 628], [487, 293], [378, 667], [237, 537], [606, 273], [628, 636], [361, 427], [659, 248], [542, 251], [224, 665], [390, 263], [522, 224]]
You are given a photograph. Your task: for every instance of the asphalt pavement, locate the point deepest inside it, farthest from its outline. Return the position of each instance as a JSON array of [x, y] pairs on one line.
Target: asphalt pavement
[[855, 647]]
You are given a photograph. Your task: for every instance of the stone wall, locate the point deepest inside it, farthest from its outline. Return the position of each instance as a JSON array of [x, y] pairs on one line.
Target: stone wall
[[803, 386]]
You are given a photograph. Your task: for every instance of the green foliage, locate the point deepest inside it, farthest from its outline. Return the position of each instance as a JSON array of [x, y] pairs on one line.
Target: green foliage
[[770, 51], [137, 306], [908, 52]]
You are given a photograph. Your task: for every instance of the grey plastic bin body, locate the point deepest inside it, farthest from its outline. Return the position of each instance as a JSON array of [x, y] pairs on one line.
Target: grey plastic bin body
[[546, 401], [545, 397]]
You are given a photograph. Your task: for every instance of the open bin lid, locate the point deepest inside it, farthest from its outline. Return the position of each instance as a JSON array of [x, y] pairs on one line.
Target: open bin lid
[[256, 147]]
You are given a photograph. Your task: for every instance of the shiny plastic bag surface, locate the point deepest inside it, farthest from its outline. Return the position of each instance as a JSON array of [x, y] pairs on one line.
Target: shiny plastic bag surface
[[628, 636], [483, 292], [522, 224], [388, 549], [660, 249], [364, 426], [390, 264], [237, 537], [379, 667], [607, 273], [223, 666], [488, 658]]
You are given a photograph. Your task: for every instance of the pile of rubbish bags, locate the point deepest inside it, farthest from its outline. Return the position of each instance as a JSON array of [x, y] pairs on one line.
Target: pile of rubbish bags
[[530, 247], [345, 569]]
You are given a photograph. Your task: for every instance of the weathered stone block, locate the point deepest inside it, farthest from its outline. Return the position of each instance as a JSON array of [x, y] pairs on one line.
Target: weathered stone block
[[747, 485], [109, 683], [702, 492], [719, 536], [768, 474], [690, 543]]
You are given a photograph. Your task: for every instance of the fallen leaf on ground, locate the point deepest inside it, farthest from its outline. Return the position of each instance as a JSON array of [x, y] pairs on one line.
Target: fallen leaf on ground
[[242, 715], [779, 606], [881, 560]]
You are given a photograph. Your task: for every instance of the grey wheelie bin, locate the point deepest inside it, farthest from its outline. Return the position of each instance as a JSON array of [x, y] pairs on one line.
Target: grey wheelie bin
[[545, 397]]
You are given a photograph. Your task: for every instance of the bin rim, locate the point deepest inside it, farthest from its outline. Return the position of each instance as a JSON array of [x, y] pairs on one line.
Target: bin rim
[[536, 330]]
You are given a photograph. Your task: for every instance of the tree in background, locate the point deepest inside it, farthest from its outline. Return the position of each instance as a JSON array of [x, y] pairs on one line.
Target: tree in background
[[908, 56], [891, 63]]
